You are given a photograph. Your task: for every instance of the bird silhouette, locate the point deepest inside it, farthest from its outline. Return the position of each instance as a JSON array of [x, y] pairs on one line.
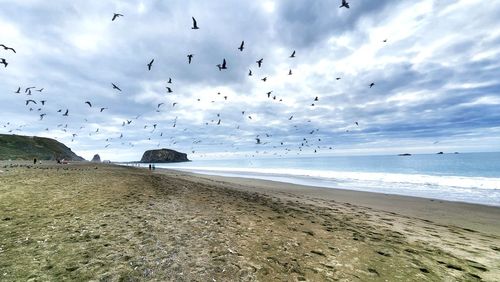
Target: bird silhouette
[[43, 102], [293, 54], [169, 80], [174, 103], [249, 72], [66, 113], [159, 105], [42, 115], [269, 94], [150, 64], [259, 62], [116, 87], [169, 90], [290, 118], [102, 109], [264, 79], [88, 103], [39, 90], [338, 78], [7, 48], [190, 57], [316, 99], [32, 101], [257, 140], [242, 46], [115, 16], [4, 62], [18, 90], [290, 72], [372, 84], [224, 67], [344, 4], [195, 24]]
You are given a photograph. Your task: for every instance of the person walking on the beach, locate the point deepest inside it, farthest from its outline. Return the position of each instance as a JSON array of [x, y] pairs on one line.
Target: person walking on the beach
[[34, 161], [149, 166]]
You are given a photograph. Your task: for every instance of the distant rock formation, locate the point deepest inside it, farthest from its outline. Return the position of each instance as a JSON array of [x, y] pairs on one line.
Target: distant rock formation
[[440, 153], [18, 147], [163, 156], [96, 159], [404, 155]]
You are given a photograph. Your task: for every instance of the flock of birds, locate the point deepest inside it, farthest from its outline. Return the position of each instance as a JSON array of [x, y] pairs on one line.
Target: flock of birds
[[37, 105]]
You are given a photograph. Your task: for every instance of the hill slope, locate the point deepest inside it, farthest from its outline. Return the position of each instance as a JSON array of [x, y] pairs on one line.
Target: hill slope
[[17, 147]]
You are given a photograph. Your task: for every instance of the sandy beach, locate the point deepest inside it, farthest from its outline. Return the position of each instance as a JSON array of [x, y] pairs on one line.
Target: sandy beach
[[111, 223]]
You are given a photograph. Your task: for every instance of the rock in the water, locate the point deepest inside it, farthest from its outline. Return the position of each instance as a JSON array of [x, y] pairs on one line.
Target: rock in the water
[[163, 156], [96, 158]]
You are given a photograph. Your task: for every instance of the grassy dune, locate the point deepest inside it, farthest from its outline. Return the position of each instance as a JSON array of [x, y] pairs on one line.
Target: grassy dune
[[108, 223]]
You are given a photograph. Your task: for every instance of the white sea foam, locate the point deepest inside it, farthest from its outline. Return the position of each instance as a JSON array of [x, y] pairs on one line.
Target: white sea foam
[[342, 176]]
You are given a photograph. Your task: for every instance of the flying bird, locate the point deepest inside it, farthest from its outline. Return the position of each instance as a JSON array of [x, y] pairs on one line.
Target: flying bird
[[372, 84], [269, 94], [42, 115], [150, 64], [7, 48], [66, 113], [116, 87], [102, 109], [43, 102], [259, 62], [28, 101], [316, 99], [241, 46], [290, 118], [195, 24], [344, 4], [88, 103], [115, 16], [249, 72], [18, 90], [169, 80], [169, 90], [290, 72], [224, 67], [293, 54], [258, 140], [264, 79], [190, 57], [4, 62], [174, 103], [159, 105]]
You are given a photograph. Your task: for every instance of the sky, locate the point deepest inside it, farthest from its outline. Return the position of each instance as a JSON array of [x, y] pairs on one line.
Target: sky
[[434, 64]]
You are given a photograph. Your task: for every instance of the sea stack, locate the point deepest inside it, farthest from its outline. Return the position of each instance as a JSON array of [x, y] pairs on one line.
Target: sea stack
[[96, 159], [163, 156]]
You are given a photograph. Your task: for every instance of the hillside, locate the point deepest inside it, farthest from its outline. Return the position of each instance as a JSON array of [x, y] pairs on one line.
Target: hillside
[[17, 147]]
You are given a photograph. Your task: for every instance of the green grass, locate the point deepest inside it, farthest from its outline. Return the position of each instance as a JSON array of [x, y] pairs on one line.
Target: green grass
[[17, 147]]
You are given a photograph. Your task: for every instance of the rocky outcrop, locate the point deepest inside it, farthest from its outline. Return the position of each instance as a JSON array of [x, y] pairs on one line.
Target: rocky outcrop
[[96, 158], [163, 156]]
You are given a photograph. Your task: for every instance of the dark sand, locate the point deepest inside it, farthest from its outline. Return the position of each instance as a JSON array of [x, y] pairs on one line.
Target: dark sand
[[109, 223]]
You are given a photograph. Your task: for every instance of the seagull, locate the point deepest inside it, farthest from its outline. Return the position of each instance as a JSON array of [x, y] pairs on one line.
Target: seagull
[[258, 140], [42, 115], [28, 89], [249, 72], [169, 80], [150, 64], [169, 90], [241, 46], [356, 123], [115, 15], [102, 109], [18, 90], [293, 54], [190, 57], [88, 103], [219, 66], [264, 79], [4, 62], [372, 84], [290, 72], [290, 118], [385, 40], [195, 24], [174, 103], [224, 64], [316, 99], [259, 62], [7, 48], [116, 87], [338, 78], [66, 113], [28, 101], [159, 105], [344, 4], [43, 102], [39, 90], [269, 94]]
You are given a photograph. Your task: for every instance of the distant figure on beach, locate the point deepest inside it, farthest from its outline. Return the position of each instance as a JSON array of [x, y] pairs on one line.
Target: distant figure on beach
[[34, 161], [154, 167], [149, 166]]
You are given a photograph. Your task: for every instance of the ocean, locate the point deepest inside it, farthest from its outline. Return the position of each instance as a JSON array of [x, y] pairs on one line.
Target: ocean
[[466, 177]]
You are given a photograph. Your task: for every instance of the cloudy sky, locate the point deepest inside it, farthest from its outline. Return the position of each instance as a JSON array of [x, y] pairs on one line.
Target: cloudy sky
[[436, 76]]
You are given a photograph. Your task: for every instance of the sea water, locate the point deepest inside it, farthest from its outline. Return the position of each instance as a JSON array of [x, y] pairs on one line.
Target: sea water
[[468, 177]]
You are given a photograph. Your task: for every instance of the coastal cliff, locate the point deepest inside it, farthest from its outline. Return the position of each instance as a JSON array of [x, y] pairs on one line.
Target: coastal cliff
[[163, 156], [18, 147]]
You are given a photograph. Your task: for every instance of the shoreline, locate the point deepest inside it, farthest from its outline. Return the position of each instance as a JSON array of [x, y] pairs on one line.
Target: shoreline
[[485, 218]]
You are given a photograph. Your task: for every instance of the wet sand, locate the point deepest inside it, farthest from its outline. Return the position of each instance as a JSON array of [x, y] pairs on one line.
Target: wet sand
[[110, 223]]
